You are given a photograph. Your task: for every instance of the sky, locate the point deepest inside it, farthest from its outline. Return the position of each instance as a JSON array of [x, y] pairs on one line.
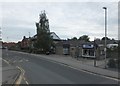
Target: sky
[[66, 19]]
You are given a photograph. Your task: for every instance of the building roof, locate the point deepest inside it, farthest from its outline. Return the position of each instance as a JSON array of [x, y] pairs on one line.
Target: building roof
[[72, 43], [54, 36]]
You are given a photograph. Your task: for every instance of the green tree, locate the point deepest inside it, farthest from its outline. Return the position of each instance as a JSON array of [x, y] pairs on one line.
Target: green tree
[[85, 38], [106, 38], [74, 38], [44, 39]]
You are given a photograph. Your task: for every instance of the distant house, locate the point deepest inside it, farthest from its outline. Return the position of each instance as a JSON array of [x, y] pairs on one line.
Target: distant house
[[67, 47], [52, 34], [100, 52], [55, 37], [8, 45], [62, 47], [78, 48], [25, 43]]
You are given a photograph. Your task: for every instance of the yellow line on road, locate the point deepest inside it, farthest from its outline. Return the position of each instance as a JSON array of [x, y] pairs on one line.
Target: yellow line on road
[[18, 82], [20, 78]]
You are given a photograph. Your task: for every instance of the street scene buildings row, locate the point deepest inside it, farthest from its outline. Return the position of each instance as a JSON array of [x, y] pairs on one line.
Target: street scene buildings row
[[75, 48]]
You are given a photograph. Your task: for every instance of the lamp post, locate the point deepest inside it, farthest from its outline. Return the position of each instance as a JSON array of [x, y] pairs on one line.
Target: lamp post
[[105, 47]]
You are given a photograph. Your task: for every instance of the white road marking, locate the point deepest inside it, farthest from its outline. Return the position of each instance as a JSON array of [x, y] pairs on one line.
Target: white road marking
[[21, 75], [6, 61]]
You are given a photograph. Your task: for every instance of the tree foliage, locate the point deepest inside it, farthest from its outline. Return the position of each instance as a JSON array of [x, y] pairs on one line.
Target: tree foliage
[[74, 38], [106, 38], [85, 38], [44, 39]]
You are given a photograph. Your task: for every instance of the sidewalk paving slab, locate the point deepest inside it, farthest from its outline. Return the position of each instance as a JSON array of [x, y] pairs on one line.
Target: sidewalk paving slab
[[9, 75]]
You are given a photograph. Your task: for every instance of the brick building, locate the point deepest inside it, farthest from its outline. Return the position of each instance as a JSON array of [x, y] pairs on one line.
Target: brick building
[[25, 43]]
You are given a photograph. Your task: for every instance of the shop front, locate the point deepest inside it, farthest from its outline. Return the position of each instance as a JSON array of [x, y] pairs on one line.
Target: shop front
[[88, 50]]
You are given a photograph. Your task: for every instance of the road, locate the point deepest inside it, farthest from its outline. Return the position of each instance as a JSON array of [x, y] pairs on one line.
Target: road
[[9, 73], [38, 70]]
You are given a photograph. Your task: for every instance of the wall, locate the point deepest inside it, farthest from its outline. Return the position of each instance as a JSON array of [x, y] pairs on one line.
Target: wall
[[72, 51], [59, 50]]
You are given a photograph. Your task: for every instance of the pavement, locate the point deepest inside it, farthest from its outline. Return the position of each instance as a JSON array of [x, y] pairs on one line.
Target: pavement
[[9, 73], [81, 65]]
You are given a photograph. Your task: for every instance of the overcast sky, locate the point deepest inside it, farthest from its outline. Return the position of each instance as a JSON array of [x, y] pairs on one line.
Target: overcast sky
[[66, 19]]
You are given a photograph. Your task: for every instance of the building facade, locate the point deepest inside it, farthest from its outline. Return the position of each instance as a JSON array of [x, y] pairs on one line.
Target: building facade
[[77, 48], [25, 43]]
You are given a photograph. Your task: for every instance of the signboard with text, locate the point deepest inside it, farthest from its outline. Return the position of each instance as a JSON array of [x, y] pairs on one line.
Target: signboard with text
[[90, 46]]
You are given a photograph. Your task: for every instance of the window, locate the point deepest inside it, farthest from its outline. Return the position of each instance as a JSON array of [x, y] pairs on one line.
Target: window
[[88, 52], [72, 48]]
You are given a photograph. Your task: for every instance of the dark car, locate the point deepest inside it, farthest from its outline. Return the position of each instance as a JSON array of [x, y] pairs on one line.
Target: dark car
[[47, 53]]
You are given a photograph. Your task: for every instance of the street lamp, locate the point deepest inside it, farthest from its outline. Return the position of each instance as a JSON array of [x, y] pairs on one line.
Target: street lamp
[[105, 8]]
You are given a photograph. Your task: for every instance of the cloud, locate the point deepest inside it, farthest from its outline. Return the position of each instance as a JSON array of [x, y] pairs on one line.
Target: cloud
[[59, 1], [66, 19], [16, 34]]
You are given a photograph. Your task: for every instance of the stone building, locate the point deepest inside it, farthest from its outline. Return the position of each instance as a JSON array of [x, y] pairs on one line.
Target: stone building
[[77, 48]]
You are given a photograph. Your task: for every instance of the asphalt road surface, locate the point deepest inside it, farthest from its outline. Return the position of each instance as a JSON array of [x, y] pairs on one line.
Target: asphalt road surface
[[37, 70]]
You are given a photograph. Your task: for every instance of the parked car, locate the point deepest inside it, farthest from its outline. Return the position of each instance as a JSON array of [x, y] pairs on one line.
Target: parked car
[[47, 53]]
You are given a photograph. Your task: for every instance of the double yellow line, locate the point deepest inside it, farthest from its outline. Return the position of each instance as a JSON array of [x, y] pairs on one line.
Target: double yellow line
[[18, 82]]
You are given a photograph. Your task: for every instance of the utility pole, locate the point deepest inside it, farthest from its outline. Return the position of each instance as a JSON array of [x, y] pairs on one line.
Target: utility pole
[[105, 47], [95, 52]]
